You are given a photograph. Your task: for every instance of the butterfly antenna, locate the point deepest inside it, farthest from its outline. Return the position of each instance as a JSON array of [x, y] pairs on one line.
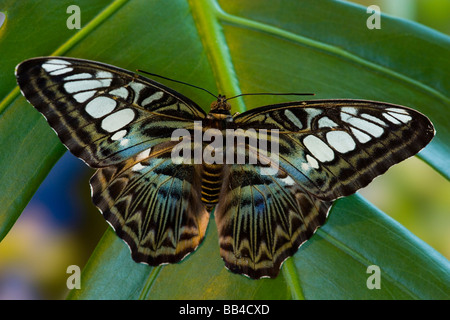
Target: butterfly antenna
[[272, 94], [185, 83]]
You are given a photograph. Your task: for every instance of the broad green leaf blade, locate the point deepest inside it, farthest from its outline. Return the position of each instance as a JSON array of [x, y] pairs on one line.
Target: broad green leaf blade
[[243, 46], [357, 235], [20, 179], [35, 28]]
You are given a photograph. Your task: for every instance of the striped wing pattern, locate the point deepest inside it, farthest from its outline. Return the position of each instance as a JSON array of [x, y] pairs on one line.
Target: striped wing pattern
[[332, 148], [153, 204], [327, 149], [101, 113], [121, 124], [263, 219]]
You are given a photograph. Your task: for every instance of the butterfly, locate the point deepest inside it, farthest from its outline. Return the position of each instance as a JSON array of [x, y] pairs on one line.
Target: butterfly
[[158, 196]]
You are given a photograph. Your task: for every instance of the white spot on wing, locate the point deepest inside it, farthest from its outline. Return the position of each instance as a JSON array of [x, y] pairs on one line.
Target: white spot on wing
[[312, 162], [312, 113], [119, 135], [361, 136], [118, 120], [78, 76], [391, 118], [366, 126], [373, 119], [124, 142], [402, 117], [120, 92], [348, 114], [326, 122], [288, 181], [319, 149], [100, 106], [104, 74], [137, 167], [143, 155], [398, 110], [54, 64], [137, 87], [84, 96], [156, 96], [83, 85], [296, 121], [341, 141], [61, 71]]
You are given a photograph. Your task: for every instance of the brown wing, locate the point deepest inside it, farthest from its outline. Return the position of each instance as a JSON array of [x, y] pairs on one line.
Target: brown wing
[[153, 204], [332, 148], [263, 219]]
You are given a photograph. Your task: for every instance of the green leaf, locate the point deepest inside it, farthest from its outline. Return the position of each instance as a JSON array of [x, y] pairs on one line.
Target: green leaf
[[240, 46]]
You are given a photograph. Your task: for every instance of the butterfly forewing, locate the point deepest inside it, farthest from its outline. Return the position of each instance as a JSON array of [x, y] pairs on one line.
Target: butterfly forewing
[[103, 114], [332, 148], [121, 123]]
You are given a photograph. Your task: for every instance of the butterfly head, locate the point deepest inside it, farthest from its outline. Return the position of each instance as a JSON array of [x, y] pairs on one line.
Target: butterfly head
[[221, 105]]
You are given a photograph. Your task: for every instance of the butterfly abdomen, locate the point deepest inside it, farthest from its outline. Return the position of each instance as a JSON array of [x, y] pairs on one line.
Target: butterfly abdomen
[[211, 184], [212, 170]]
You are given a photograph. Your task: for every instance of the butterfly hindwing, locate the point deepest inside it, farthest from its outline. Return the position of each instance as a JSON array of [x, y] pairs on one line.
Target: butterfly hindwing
[[153, 204], [335, 147], [263, 219]]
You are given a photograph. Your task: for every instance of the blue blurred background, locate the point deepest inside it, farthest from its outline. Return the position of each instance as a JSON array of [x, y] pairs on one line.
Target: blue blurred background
[[61, 225]]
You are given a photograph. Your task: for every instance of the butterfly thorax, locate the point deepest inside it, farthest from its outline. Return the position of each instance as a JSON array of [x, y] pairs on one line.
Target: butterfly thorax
[[220, 109]]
